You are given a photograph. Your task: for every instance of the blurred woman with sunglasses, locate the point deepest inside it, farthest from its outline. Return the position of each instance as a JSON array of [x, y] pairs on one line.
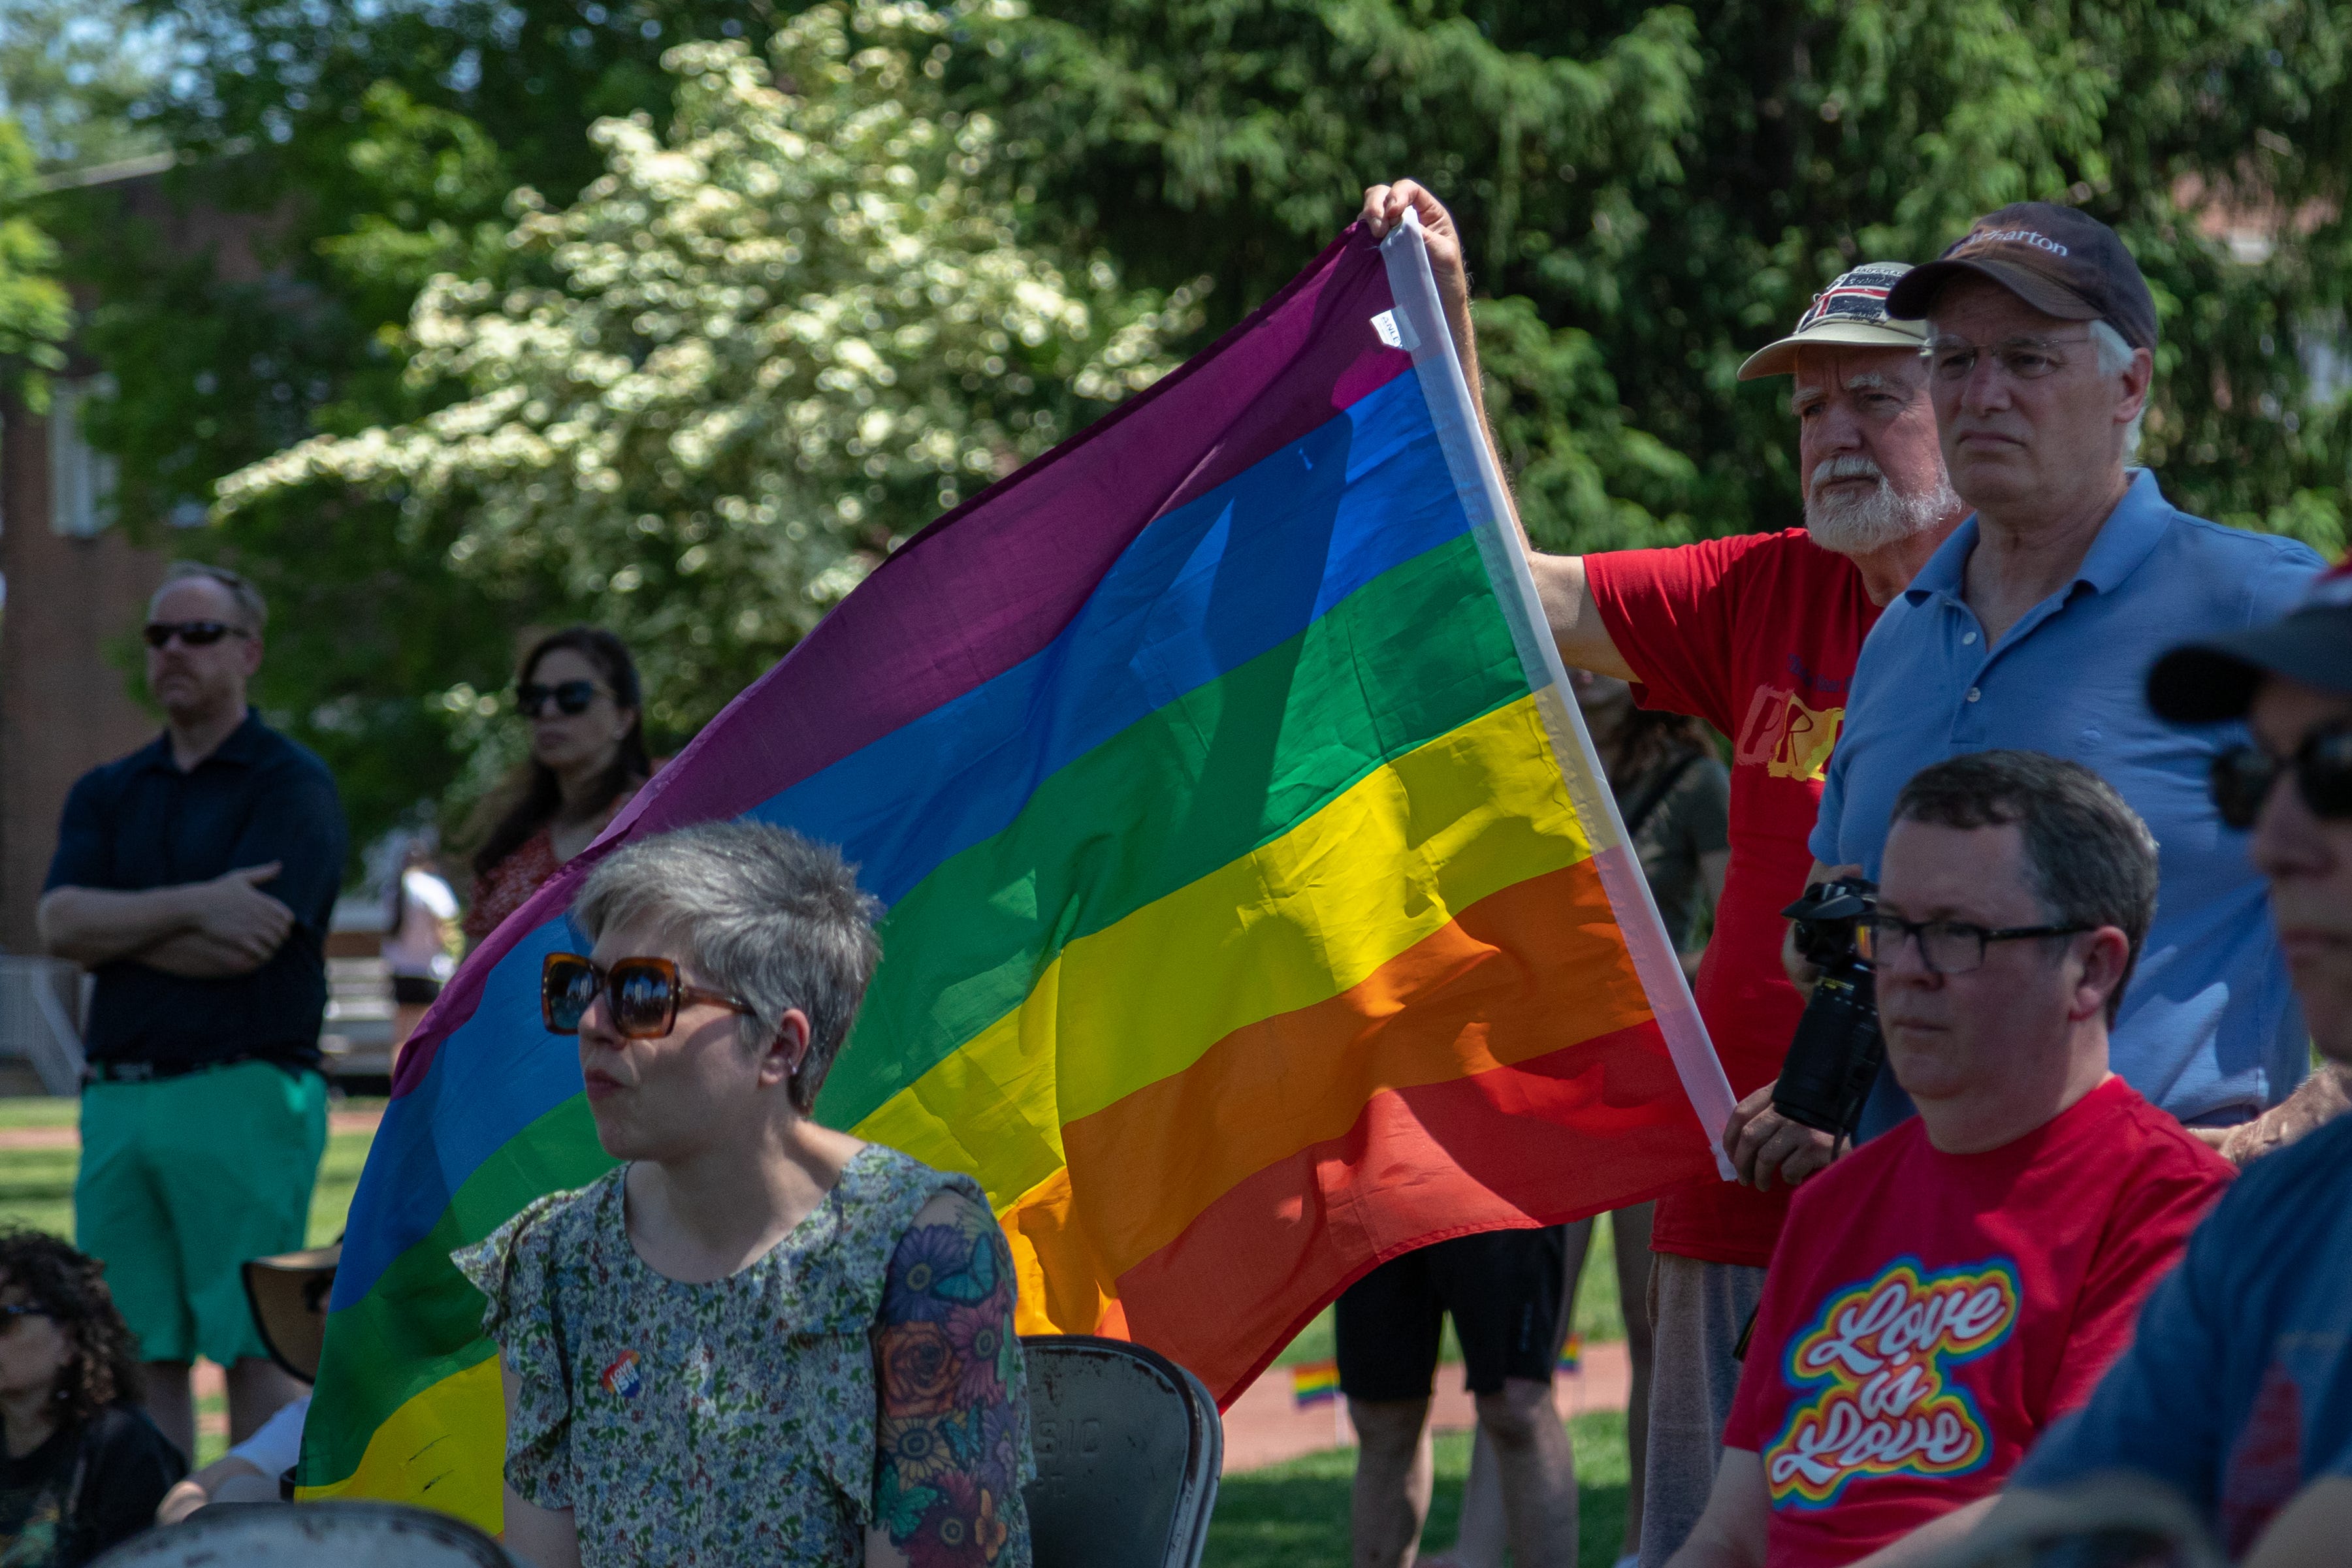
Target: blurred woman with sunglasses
[[759, 1340], [83, 1467], [578, 689]]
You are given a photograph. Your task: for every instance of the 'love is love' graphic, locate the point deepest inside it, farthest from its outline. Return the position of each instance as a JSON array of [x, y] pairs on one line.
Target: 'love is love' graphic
[[1879, 1354]]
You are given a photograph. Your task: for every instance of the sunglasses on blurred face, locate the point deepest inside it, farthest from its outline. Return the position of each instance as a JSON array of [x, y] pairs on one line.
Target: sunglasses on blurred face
[[571, 698], [191, 633], [644, 994], [2245, 776]]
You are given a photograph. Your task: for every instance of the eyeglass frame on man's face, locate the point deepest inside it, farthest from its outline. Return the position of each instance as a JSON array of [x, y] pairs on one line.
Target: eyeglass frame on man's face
[[158, 634], [608, 980], [1933, 351], [2325, 751], [1878, 950], [571, 698]]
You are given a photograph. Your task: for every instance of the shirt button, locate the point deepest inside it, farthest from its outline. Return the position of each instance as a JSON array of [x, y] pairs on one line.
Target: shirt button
[[1974, 694], [1967, 638]]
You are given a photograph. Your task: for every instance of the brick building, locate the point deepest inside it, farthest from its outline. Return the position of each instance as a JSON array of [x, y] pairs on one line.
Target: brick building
[[75, 586]]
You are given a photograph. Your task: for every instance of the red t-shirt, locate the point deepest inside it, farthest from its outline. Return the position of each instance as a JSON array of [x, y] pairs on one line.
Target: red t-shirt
[[1927, 1315], [1757, 634]]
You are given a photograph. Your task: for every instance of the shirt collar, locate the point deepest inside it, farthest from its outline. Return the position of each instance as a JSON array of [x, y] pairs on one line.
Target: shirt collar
[[242, 748], [2125, 539]]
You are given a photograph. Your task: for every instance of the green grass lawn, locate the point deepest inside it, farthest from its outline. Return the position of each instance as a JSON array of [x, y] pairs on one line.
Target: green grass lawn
[[37, 1189], [1296, 1515]]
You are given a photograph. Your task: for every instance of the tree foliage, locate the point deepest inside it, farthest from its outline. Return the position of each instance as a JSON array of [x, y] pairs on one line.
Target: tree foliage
[[1649, 192], [1682, 179], [770, 344]]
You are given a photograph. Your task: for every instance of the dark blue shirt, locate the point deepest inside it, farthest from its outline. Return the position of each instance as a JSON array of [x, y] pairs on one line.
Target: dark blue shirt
[[141, 824], [2237, 1389]]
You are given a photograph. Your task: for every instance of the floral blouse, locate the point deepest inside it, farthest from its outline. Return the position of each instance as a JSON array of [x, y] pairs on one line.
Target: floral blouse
[[863, 1373]]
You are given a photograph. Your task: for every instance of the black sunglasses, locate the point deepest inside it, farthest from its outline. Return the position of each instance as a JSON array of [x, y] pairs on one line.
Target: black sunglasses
[[10, 1312], [2245, 776], [644, 994], [571, 698], [194, 633]]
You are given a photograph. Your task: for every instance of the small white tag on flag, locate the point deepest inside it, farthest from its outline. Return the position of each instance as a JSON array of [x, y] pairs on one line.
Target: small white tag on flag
[[1395, 331]]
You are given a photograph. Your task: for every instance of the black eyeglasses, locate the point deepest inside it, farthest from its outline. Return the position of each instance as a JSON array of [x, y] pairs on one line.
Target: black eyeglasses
[[644, 994], [2245, 776], [1947, 946], [193, 633], [570, 698]]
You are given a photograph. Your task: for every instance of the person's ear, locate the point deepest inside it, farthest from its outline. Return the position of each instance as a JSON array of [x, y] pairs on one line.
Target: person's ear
[[2103, 954], [252, 654], [787, 1050], [2136, 378]]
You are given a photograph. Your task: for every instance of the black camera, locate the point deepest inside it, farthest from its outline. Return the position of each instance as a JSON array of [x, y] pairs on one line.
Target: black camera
[[1834, 1059]]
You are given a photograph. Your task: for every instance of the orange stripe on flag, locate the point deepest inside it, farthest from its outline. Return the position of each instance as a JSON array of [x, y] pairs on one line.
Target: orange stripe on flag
[[1521, 973], [1419, 1165]]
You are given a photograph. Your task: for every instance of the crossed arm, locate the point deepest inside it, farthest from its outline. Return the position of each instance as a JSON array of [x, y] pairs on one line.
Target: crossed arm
[[198, 929]]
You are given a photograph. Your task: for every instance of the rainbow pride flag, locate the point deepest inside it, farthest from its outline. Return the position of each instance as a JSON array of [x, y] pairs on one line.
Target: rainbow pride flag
[[1313, 1383], [1255, 910]]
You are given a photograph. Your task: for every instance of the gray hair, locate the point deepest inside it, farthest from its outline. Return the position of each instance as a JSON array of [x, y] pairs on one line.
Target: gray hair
[[248, 600], [2115, 359], [2089, 858], [758, 910]]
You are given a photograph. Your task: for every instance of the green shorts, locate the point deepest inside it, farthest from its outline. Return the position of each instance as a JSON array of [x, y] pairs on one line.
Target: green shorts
[[183, 1180]]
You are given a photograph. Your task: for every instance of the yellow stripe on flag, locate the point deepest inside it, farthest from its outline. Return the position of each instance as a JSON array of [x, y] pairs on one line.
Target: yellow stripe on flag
[[444, 1448], [1293, 923]]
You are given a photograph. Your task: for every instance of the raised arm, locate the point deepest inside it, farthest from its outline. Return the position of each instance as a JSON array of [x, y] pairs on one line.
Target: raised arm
[[1559, 579]]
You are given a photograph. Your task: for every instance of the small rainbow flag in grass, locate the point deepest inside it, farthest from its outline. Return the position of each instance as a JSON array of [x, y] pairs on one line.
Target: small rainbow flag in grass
[[1315, 1382], [1257, 912]]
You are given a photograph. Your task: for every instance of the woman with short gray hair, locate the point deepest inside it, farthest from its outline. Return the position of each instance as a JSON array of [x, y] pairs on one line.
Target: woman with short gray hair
[[758, 1341]]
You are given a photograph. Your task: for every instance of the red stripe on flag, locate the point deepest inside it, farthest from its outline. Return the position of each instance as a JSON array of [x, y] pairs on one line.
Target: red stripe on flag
[[1595, 1126]]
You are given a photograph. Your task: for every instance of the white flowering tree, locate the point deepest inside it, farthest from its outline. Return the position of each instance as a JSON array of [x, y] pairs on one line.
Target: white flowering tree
[[758, 352]]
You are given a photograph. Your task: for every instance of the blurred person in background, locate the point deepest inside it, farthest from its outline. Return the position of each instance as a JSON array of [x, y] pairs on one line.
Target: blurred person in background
[[1676, 798], [196, 878], [416, 940], [578, 690], [2237, 1389], [84, 1466]]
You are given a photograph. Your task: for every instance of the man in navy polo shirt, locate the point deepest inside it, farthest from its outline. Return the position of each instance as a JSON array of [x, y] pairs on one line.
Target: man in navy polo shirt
[[196, 878], [2034, 625]]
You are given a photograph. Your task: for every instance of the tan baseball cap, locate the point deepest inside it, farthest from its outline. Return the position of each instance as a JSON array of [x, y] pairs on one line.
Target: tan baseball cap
[[1850, 310]]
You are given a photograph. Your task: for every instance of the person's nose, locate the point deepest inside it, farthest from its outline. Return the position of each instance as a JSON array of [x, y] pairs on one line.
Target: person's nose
[[596, 1024], [1985, 389], [2288, 839]]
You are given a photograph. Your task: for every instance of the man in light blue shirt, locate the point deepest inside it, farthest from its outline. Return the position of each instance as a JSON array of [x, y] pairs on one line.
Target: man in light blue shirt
[[2034, 627]]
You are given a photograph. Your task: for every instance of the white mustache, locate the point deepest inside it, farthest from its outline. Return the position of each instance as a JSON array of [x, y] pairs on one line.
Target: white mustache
[[1850, 466]]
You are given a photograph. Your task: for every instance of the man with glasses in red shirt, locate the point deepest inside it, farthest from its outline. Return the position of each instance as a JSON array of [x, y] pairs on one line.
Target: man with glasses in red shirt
[[1758, 634], [196, 879], [1944, 1293]]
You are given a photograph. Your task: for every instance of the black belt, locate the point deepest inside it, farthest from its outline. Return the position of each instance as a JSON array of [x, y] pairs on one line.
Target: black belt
[[156, 1071]]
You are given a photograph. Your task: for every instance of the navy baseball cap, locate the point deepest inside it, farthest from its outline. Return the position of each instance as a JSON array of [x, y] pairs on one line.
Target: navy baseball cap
[[2206, 682], [2061, 260], [1851, 311]]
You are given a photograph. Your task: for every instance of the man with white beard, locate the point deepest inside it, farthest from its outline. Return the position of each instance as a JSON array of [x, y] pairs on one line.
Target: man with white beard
[[1759, 636]]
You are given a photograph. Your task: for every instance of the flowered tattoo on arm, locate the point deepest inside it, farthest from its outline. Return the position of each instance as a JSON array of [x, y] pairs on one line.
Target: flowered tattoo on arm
[[946, 1478]]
